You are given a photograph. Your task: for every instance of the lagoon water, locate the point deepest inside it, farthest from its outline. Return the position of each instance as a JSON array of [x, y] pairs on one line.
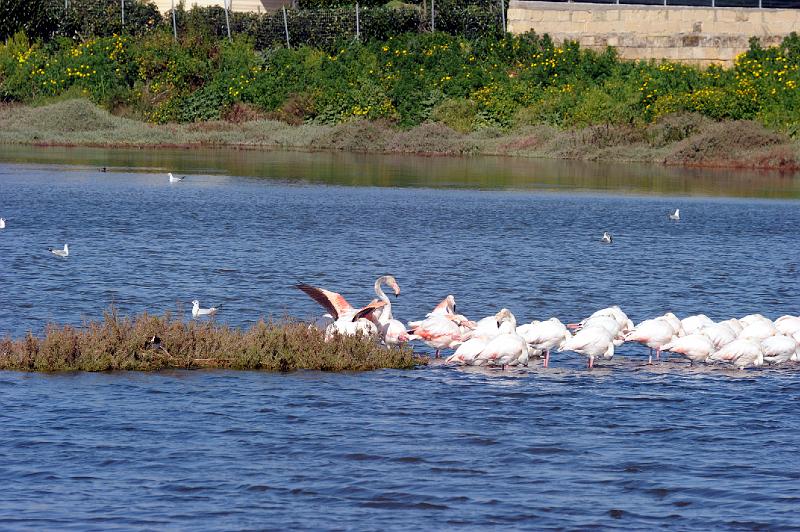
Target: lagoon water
[[622, 446]]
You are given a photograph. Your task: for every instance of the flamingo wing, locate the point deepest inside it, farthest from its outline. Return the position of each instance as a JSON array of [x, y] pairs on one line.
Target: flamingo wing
[[364, 312], [334, 303]]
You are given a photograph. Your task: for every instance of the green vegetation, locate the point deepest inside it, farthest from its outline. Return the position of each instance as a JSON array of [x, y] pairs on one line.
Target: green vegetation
[[468, 84], [118, 343]]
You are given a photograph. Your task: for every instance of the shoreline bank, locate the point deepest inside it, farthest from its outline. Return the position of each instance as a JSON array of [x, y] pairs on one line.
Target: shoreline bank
[[677, 140]]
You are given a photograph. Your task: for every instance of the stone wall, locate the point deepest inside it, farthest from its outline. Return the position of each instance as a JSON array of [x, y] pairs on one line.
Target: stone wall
[[698, 35]]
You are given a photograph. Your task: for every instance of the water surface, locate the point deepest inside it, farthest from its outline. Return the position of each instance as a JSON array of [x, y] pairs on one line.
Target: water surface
[[623, 446]]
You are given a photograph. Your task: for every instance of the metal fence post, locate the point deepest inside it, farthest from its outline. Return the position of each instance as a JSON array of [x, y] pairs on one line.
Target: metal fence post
[[503, 14], [174, 24], [358, 24], [433, 15], [713, 3], [286, 27], [123, 12], [227, 21]]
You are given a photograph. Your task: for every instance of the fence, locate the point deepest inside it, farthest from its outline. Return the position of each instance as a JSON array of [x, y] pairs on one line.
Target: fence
[[321, 27]]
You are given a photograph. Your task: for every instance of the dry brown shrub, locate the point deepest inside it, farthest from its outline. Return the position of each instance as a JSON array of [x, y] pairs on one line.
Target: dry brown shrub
[[121, 343], [240, 112]]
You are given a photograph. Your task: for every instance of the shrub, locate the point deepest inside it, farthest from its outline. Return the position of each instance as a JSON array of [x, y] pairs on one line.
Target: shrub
[[458, 114]]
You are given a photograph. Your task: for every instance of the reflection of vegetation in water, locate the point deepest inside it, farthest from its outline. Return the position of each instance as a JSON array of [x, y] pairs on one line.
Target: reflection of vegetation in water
[[413, 171], [118, 343]]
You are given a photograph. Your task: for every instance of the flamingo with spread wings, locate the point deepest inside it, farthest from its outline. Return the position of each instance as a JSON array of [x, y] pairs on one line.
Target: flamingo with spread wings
[[348, 320]]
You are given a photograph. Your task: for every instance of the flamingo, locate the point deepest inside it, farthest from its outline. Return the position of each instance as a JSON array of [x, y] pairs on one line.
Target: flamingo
[[590, 342], [695, 347], [439, 332], [625, 324], [734, 324], [465, 353], [753, 318], [507, 348], [741, 353], [392, 331], [779, 349], [542, 336], [674, 322], [348, 321], [693, 324], [759, 330], [788, 325], [652, 333], [719, 333]]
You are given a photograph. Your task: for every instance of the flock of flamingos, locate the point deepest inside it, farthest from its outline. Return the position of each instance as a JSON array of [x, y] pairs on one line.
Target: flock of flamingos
[[499, 341]]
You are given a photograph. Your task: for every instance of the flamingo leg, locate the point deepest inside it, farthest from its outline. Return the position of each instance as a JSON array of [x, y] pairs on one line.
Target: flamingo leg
[[547, 358], [650, 357], [436, 355], [658, 353], [591, 362]]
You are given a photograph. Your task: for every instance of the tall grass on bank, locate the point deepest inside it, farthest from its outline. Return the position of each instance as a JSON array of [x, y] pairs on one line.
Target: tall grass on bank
[[122, 343]]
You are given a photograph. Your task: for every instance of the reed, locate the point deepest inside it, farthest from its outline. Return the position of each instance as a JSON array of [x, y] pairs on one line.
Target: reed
[[122, 343]]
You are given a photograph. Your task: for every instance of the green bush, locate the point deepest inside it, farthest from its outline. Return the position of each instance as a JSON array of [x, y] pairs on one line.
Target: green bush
[[408, 79]]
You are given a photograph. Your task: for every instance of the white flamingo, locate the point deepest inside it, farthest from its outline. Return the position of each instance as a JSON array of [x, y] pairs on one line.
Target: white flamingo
[[392, 331], [543, 336], [652, 333], [348, 321], [734, 324], [507, 348], [590, 342], [720, 334], [693, 324], [759, 330], [742, 353], [779, 349], [695, 347], [788, 325]]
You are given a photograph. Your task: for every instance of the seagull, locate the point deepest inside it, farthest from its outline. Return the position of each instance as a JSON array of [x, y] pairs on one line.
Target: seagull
[[60, 252], [676, 215], [2, 223], [198, 312], [606, 238], [173, 179]]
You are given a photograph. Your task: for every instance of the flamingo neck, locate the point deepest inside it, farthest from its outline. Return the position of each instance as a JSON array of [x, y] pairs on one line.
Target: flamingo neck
[[386, 312]]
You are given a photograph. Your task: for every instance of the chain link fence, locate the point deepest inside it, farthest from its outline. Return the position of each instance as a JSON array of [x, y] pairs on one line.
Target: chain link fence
[[318, 26]]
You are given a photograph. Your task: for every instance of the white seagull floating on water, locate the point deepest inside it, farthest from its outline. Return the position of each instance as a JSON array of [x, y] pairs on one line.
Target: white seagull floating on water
[[60, 252], [2, 223], [198, 312], [173, 179], [606, 238], [675, 215]]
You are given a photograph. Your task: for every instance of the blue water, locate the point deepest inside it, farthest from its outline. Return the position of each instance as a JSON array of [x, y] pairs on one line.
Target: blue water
[[622, 446]]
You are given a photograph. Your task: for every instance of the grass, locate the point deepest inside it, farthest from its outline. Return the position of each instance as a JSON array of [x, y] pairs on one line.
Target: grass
[[682, 139], [121, 343]]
